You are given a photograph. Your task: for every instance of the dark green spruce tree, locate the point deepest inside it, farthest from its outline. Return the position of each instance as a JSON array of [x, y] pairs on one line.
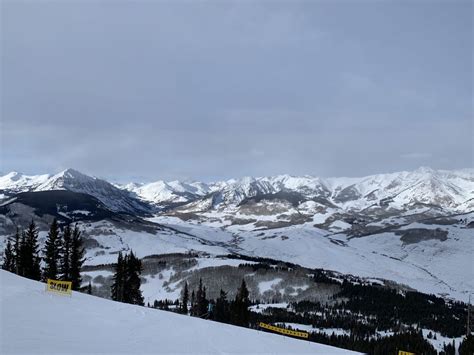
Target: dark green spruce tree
[[185, 299], [65, 259], [118, 279], [467, 346], [133, 270], [222, 310], [17, 252], [52, 253], [9, 258], [77, 258], [200, 304], [30, 253], [126, 280], [240, 306], [193, 304]]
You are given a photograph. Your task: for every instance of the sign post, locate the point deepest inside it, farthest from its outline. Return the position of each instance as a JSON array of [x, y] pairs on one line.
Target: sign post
[[59, 287]]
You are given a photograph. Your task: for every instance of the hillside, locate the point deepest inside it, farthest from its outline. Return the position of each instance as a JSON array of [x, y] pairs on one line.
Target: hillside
[[414, 228], [33, 321]]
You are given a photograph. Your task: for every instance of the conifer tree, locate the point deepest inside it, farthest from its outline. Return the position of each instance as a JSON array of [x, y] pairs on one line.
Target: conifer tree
[[126, 285], [51, 253], [201, 302], [30, 257], [133, 270], [221, 313], [119, 279], [89, 288], [8, 258], [65, 263], [77, 254], [467, 345], [240, 311], [23, 257], [185, 299], [193, 303], [16, 250]]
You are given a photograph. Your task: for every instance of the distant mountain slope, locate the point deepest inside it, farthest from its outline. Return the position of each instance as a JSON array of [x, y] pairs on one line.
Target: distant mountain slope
[[34, 321], [449, 191], [72, 180], [413, 227], [43, 206]]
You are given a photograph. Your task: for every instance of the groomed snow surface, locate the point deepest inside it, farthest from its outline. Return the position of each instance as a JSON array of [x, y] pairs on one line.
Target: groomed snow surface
[[36, 322]]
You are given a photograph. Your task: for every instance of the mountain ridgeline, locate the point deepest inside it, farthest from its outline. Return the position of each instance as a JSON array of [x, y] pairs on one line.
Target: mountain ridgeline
[[450, 191]]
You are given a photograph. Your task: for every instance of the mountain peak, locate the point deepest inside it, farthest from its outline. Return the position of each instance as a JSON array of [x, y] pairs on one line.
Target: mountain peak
[[72, 173]]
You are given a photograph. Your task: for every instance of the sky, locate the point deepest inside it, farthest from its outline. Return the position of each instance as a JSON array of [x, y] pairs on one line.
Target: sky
[[210, 90]]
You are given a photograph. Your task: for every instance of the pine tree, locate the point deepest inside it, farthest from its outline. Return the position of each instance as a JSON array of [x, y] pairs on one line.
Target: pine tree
[[133, 270], [89, 288], [51, 253], [9, 258], [65, 259], [16, 250], [222, 310], [23, 255], [30, 257], [119, 279], [126, 285], [240, 311], [200, 305], [77, 254], [467, 346], [185, 299], [193, 303]]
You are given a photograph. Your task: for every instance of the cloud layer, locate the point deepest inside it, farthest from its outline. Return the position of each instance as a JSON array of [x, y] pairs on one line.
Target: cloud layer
[[206, 90]]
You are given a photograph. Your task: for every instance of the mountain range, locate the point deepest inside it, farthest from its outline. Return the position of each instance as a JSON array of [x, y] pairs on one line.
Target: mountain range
[[447, 190], [413, 228]]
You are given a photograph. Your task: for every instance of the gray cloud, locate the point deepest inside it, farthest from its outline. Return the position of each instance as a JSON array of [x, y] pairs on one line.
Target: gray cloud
[[208, 90]]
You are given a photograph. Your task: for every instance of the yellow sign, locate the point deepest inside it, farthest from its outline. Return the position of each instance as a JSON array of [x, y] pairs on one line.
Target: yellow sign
[[401, 352], [61, 287], [284, 331]]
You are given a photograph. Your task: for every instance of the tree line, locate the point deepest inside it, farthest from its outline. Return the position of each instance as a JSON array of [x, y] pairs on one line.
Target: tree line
[[126, 288], [60, 259]]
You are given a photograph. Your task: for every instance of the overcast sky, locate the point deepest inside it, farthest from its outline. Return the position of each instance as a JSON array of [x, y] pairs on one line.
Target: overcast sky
[[208, 90]]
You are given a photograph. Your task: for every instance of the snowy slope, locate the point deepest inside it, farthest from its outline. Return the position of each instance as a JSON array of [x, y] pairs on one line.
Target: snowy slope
[[17, 182], [72, 180], [167, 192], [442, 267], [449, 190], [35, 322]]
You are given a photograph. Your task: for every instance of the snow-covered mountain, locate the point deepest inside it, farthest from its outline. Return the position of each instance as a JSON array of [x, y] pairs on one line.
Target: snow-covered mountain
[[161, 192], [411, 227], [72, 180], [448, 190]]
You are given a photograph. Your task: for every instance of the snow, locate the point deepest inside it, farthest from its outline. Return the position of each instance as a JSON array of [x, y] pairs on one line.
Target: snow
[[268, 285], [452, 190], [433, 266], [340, 225], [259, 308], [440, 340], [33, 321], [309, 328], [142, 243], [20, 182]]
